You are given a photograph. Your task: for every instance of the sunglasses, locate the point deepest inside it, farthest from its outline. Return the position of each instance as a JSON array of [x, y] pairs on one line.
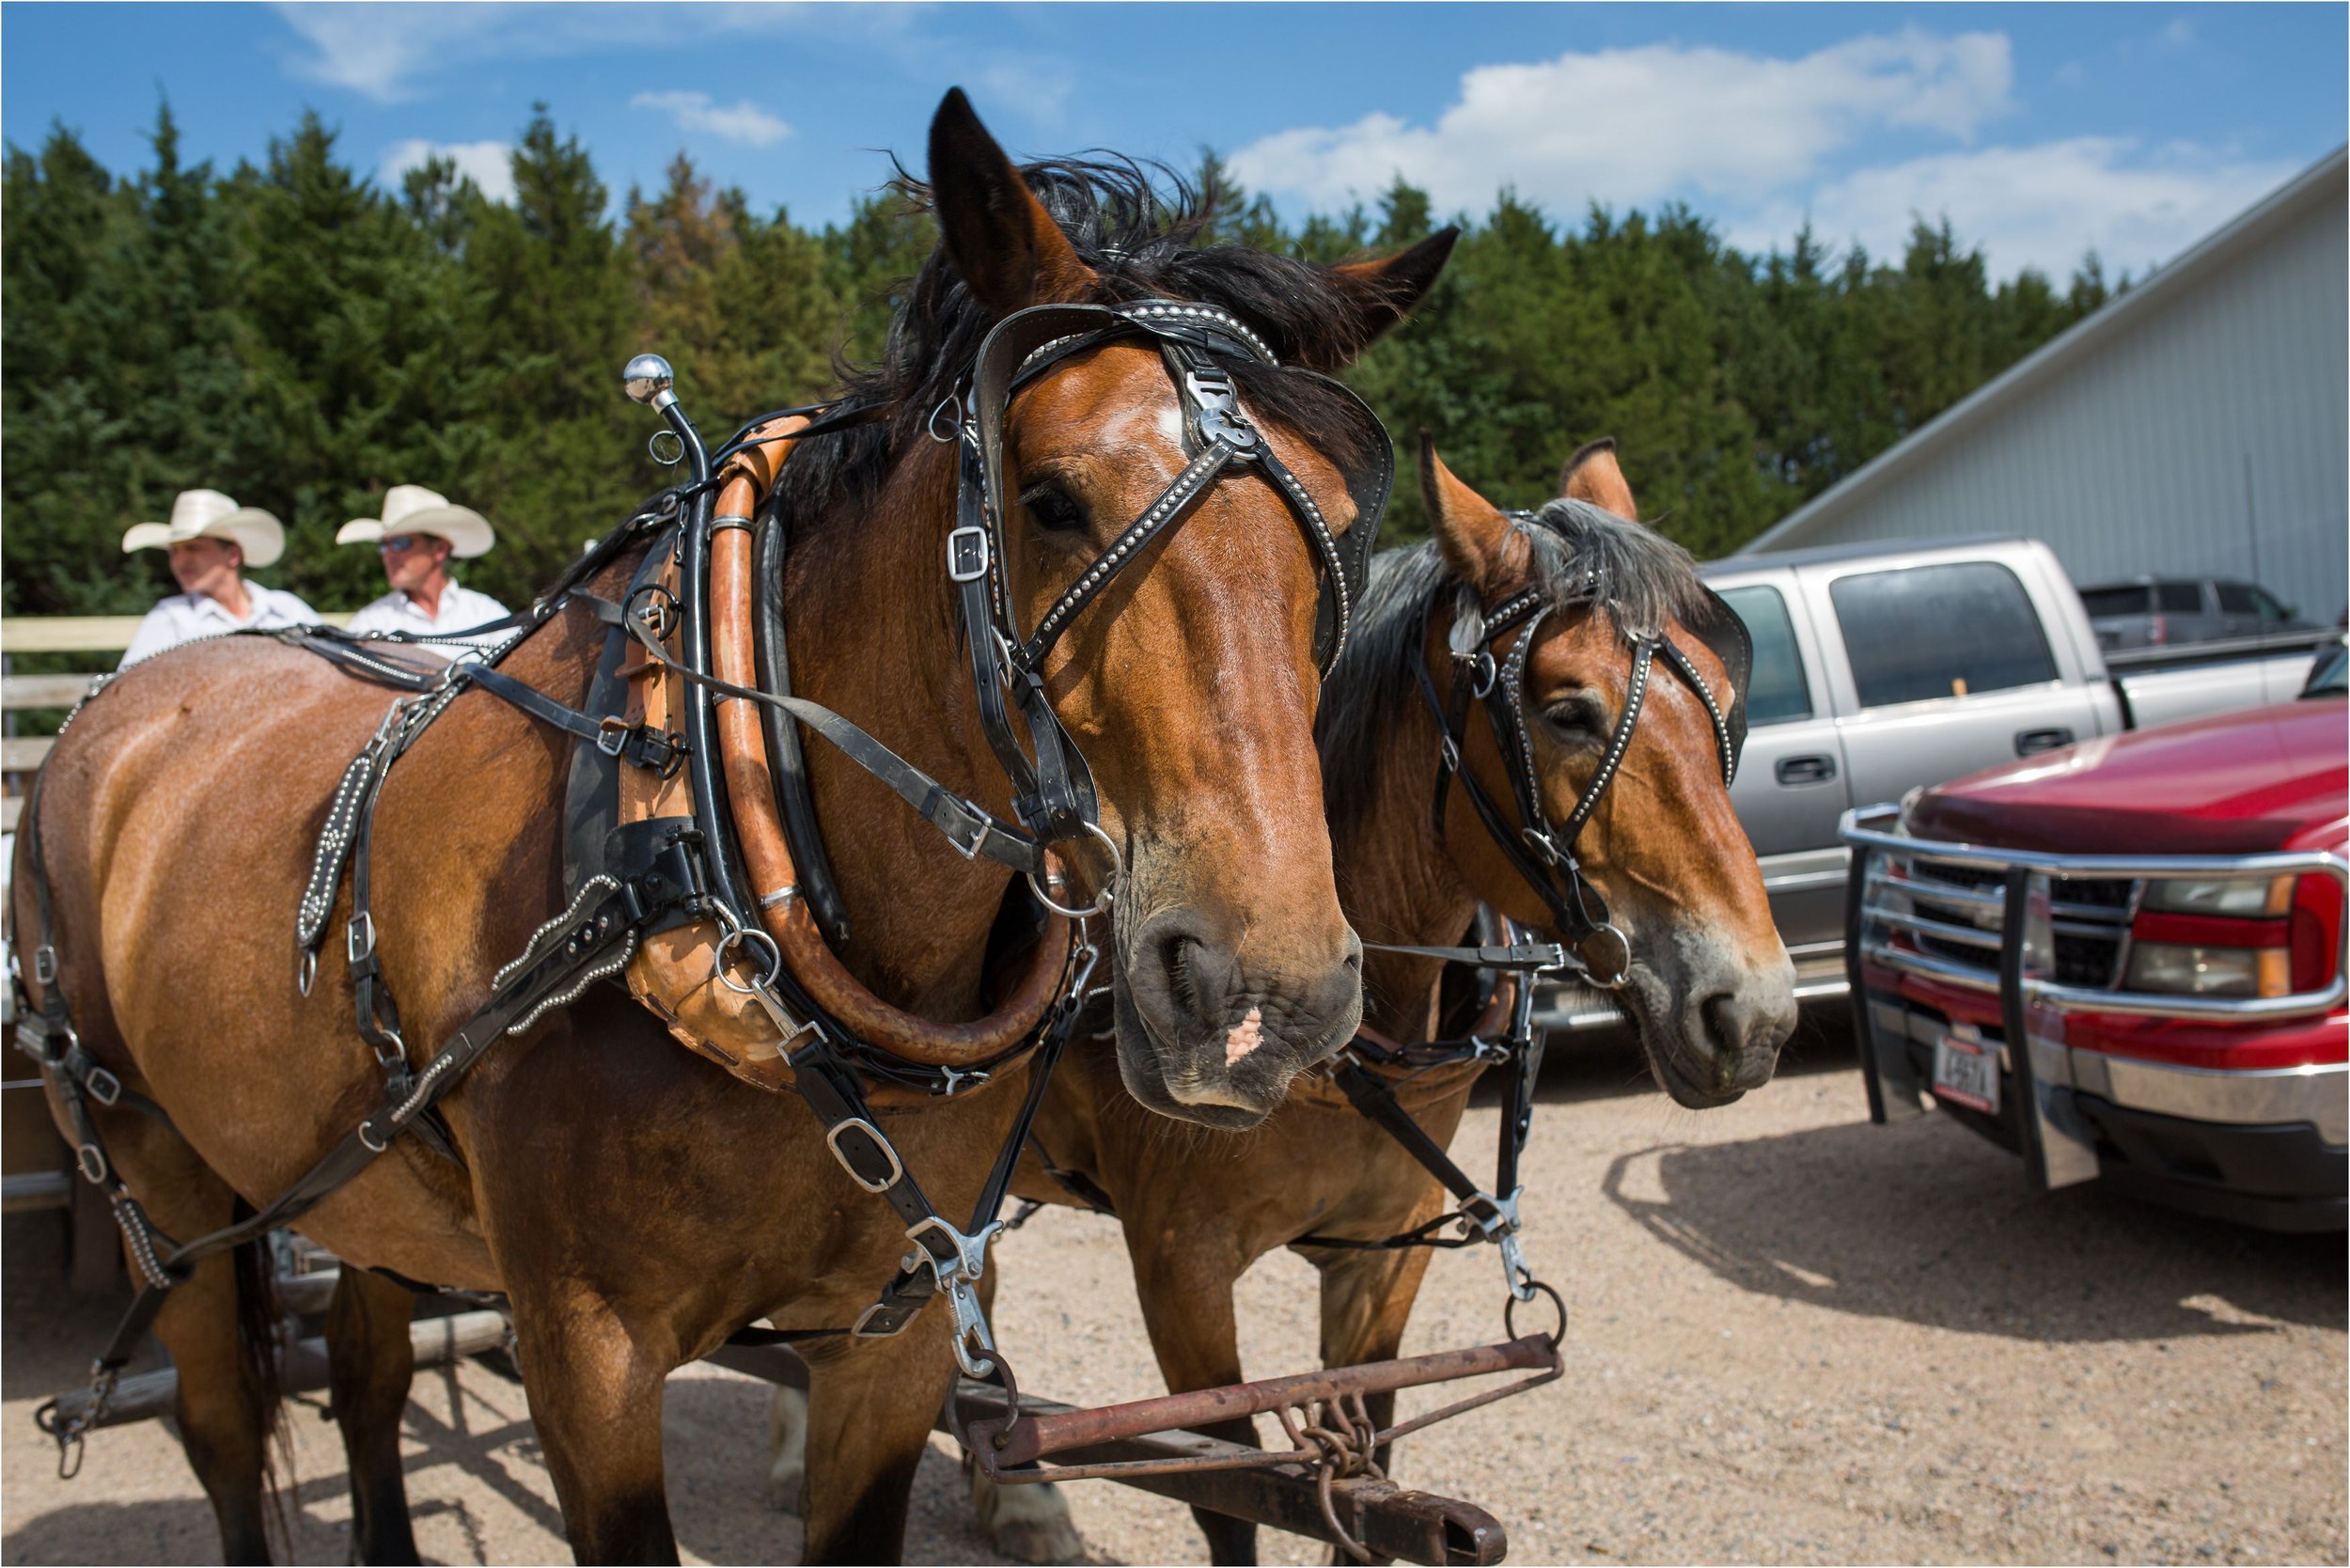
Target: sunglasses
[[398, 544]]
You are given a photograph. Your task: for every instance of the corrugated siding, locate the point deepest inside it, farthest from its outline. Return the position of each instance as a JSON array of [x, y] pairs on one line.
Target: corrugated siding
[[2134, 458]]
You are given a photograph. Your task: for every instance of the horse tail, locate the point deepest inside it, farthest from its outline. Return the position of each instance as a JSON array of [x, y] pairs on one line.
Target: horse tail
[[259, 1361]]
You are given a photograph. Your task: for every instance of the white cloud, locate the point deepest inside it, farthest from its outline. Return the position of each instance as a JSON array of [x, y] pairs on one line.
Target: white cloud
[[745, 123], [488, 164], [2178, 33], [2040, 205], [1635, 125], [389, 51]]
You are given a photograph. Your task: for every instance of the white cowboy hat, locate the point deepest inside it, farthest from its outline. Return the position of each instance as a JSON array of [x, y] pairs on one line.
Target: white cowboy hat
[[410, 509], [209, 515]]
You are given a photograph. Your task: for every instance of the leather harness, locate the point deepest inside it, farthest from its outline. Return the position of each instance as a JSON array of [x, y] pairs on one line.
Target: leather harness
[[631, 881]]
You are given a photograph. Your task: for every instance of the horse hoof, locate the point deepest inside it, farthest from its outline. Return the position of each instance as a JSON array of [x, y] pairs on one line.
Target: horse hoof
[[1031, 1524]]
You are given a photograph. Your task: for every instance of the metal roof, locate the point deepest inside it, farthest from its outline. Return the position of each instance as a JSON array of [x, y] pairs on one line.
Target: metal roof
[[2204, 259]]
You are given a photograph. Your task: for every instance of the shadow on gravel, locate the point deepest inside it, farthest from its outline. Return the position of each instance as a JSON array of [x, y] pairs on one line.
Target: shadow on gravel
[[1926, 1222], [182, 1530]]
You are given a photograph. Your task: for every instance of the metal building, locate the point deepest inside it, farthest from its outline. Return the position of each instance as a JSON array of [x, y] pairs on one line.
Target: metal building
[[2197, 425]]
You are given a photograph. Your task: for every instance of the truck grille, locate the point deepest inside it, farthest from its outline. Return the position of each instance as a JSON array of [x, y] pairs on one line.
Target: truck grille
[[2091, 918]]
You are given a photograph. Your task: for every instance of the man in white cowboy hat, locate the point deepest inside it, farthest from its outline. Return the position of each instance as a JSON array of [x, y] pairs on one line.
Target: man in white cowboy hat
[[211, 541], [417, 534]]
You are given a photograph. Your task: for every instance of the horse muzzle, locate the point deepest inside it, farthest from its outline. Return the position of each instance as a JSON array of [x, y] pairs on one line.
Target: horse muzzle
[[1203, 1038]]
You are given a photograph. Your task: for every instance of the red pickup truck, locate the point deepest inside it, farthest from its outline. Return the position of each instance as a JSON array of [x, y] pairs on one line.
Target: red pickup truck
[[2158, 918]]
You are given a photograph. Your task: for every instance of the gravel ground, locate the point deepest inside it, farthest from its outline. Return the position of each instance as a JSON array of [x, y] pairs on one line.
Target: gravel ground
[[1796, 1338]]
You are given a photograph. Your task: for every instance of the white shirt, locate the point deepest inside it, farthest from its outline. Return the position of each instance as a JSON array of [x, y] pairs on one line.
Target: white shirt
[[461, 608], [185, 616]]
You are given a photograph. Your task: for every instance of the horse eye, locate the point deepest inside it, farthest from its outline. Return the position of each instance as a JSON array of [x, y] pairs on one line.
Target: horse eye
[[1053, 510], [1577, 716]]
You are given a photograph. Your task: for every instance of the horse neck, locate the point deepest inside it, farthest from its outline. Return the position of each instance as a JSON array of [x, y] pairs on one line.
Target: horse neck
[[1399, 883], [873, 634]]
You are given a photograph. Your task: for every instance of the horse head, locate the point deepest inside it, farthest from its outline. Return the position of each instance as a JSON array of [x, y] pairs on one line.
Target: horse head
[[1709, 982], [1188, 680]]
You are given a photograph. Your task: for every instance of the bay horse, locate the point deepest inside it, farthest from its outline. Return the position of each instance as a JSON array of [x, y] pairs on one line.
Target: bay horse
[[1710, 989], [633, 1201]]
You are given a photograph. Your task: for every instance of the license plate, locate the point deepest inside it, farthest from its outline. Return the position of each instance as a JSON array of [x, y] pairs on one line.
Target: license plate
[[1966, 1073]]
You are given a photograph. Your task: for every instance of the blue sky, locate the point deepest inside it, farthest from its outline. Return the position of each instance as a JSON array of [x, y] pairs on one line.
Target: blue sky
[[2041, 131]]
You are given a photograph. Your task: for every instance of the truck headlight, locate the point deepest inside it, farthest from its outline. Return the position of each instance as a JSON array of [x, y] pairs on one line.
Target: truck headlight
[[2198, 971], [2239, 896]]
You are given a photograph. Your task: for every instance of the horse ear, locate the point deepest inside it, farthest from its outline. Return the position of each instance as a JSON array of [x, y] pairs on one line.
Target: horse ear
[[1592, 475], [1381, 293], [1001, 239], [1473, 534]]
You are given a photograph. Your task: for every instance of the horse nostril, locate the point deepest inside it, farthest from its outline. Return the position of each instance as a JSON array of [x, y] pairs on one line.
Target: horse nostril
[[1725, 1028], [1179, 953]]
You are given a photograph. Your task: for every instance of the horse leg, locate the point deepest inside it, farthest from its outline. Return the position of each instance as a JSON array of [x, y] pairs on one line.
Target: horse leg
[[870, 1408], [220, 1327], [786, 1448], [595, 1397], [369, 1361], [1367, 1300], [1027, 1522], [1188, 1308]]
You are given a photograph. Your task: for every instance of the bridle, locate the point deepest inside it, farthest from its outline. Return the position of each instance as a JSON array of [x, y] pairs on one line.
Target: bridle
[[1054, 797], [1542, 852]]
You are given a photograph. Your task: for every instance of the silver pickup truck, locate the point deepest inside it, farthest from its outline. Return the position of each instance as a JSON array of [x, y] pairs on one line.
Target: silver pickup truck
[[1880, 669]]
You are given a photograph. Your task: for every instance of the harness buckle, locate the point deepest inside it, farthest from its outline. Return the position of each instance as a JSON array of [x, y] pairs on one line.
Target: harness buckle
[[874, 1143], [1539, 841], [92, 1161], [1211, 389], [964, 824], [359, 938], [102, 1087], [1483, 673], [612, 734], [45, 964], [966, 554]]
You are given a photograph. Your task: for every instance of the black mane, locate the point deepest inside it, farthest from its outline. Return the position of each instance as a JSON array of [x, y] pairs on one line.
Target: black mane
[[1141, 236], [1583, 554]]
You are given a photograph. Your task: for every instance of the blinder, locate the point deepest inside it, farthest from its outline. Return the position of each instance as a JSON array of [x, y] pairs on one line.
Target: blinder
[[1718, 626]]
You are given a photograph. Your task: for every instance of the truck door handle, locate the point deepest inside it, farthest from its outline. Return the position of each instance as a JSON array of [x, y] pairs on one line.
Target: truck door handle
[[2028, 742], [1804, 770]]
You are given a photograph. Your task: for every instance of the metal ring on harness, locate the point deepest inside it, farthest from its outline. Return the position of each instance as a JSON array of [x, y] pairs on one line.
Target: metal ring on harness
[[1109, 894], [1510, 1313], [747, 933], [1616, 948]]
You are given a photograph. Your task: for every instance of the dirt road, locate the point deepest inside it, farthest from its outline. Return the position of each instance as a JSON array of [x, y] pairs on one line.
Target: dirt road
[[1796, 1338]]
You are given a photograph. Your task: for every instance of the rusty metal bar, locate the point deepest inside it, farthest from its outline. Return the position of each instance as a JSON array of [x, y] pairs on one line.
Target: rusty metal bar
[[1389, 1520], [1032, 1437]]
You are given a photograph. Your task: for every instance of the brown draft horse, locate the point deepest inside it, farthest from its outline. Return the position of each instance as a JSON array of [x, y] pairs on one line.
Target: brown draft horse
[[634, 1201], [1712, 991]]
